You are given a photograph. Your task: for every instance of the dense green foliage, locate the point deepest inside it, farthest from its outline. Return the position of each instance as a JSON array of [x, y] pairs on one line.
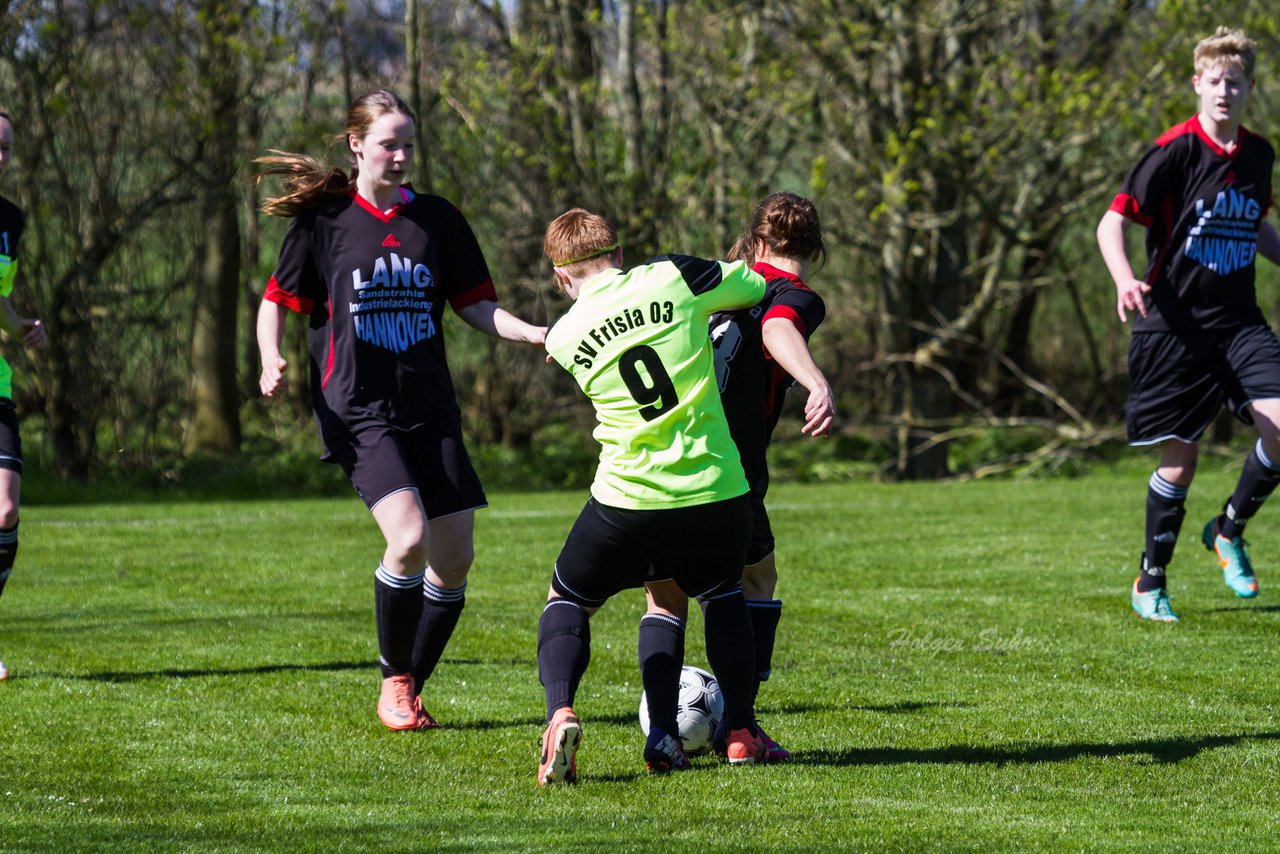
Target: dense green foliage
[[960, 154], [957, 669]]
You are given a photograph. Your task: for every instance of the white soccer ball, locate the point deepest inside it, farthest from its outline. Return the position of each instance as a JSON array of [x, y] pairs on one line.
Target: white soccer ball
[[698, 713]]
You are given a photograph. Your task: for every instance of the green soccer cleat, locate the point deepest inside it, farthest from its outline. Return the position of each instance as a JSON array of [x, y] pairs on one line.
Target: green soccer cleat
[[1237, 569], [1152, 605]]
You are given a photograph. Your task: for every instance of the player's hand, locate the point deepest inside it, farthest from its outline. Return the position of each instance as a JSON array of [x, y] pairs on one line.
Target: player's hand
[[1129, 298], [32, 332], [819, 411], [272, 382], [538, 335]]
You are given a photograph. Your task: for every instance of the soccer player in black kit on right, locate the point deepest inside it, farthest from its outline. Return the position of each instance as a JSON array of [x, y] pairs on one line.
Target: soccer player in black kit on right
[[1202, 191], [370, 263]]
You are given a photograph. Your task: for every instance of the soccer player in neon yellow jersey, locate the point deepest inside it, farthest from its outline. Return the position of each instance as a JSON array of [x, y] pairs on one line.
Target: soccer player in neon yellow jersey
[[669, 489], [31, 332]]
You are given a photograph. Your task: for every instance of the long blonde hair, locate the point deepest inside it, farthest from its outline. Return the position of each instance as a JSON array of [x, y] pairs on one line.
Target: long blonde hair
[[308, 183]]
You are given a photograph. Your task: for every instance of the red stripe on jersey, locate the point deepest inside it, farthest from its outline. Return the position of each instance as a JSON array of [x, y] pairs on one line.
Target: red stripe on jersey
[[385, 216], [1165, 246], [1191, 125], [771, 272], [480, 293], [328, 369], [777, 377], [280, 296], [1127, 207], [784, 312]]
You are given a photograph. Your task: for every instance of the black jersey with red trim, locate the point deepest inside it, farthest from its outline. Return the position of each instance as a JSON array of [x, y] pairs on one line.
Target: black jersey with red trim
[[753, 386], [374, 285], [1202, 207]]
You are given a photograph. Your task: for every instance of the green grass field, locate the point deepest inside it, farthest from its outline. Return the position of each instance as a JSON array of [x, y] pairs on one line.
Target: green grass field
[[957, 668]]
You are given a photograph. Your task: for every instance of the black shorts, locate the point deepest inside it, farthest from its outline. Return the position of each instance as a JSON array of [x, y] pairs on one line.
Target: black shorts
[[430, 459], [610, 549], [762, 543], [10, 442], [1178, 381]]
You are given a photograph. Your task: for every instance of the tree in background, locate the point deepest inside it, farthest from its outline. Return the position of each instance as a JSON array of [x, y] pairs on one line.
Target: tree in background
[[960, 152]]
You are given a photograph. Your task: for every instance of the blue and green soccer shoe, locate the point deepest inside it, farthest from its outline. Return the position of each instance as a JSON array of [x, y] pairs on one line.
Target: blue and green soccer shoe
[[1152, 605], [1237, 569]]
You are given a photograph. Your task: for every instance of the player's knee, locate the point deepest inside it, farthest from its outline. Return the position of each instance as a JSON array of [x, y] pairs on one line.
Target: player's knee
[[1178, 462], [452, 561], [8, 513], [667, 597], [408, 547], [759, 581]]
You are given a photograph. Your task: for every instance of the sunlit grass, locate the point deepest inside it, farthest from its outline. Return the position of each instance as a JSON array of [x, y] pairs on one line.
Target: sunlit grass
[[957, 668]]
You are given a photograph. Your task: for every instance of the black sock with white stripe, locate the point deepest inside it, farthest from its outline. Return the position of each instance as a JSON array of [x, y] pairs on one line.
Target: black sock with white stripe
[[765, 614], [399, 607], [441, 608], [1257, 481], [661, 649], [8, 552], [1166, 508], [564, 651]]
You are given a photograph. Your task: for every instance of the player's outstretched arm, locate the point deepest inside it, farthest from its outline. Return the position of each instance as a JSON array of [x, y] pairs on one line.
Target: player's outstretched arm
[[270, 334], [1130, 290], [1269, 243], [789, 349], [492, 319]]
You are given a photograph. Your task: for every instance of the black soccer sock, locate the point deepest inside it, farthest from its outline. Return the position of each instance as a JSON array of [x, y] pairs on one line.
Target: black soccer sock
[[1256, 483], [731, 654], [661, 659], [441, 609], [765, 614], [398, 607], [564, 651], [1165, 511], [8, 551]]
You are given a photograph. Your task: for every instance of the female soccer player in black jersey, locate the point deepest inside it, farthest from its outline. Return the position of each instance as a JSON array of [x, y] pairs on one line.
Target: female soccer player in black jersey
[[31, 332], [760, 352], [371, 264]]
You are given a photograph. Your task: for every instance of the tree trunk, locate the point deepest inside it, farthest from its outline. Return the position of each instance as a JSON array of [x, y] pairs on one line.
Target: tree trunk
[[215, 423], [215, 420]]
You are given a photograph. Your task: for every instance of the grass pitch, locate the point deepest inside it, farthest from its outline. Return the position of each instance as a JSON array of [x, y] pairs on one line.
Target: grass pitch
[[957, 668]]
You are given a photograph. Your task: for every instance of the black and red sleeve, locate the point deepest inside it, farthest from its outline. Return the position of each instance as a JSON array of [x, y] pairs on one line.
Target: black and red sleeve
[[464, 275], [804, 308], [296, 282], [1147, 187]]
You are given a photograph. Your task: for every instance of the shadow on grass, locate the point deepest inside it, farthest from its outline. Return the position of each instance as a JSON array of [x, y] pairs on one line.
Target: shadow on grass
[[191, 673], [1264, 609], [1165, 750], [628, 719]]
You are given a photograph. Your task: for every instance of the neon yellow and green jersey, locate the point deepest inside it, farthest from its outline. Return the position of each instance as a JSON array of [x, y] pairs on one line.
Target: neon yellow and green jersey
[[11, 226], [637, 344]]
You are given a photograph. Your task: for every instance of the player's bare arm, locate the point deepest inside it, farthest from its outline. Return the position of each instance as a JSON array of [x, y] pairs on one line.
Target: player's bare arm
[[1130, 290], [789, 349], [492, 319], [270, 334], [1269, 243]]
